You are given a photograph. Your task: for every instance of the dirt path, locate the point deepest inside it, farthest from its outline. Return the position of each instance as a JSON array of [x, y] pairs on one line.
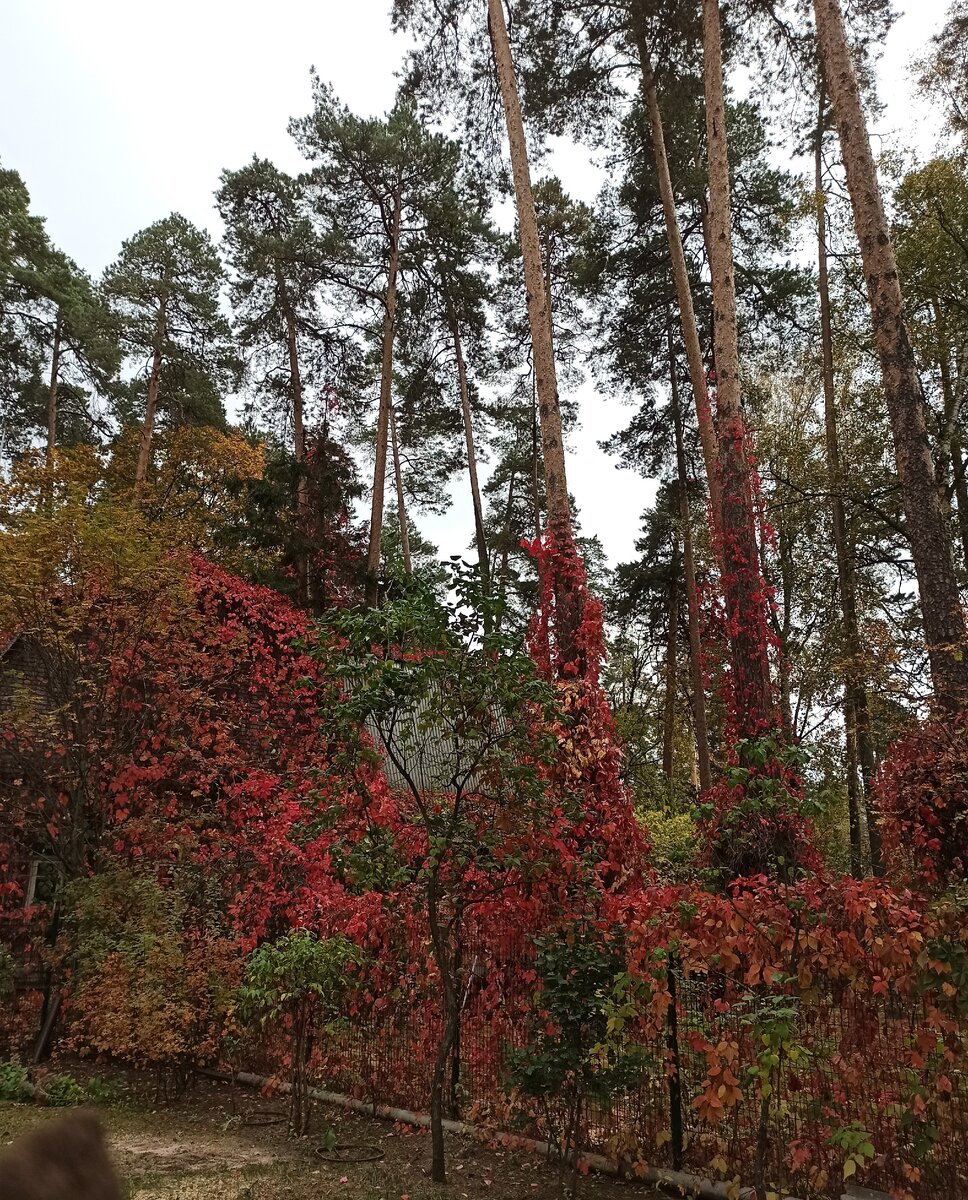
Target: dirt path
[[219, 1143]]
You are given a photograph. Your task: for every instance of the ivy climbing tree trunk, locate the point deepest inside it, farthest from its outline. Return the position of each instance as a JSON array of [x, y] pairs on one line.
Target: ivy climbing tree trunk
[[401, 498], [568, 604], [744, 592], [151, 402], [383, 419], [680, 273], [856, 717], [944, 622]]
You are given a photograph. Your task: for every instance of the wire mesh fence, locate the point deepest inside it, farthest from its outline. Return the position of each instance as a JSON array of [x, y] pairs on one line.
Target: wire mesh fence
[[855, 1082]]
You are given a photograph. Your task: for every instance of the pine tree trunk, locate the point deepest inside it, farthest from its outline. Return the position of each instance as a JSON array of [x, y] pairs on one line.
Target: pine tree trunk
[[506, 538], [672, 643], [465, 404], [151, 403], [567, 602], [680, 273], [320, 519], [952, 451], [943, 453], [742, 581], [944, 623], [692, 591], [52, 390], [868, 769], [298, 444], [783, 629], [853, 807], [857, 728], [961, 494], [401, 499], [383, 419], [535, 477]]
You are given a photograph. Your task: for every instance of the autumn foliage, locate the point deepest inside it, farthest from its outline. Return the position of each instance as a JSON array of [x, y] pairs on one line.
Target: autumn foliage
[[922, 789], [209, 770]]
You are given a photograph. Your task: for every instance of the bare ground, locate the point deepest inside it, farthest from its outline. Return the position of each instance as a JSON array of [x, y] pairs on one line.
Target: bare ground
[[223, 1143]]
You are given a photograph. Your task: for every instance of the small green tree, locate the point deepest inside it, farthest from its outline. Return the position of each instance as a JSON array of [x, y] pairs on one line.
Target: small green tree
[[300, 981], [462, 720], [577, 1052]]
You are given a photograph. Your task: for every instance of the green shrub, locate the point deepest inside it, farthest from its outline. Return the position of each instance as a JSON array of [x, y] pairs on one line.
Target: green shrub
[[151, 986], [101, 1091], [300, 981], [13, 1081], [674, 842], [63, 1091], [578, 1053]]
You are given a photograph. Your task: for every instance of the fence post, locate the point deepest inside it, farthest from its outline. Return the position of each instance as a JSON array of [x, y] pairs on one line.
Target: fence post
[[675, 1083]]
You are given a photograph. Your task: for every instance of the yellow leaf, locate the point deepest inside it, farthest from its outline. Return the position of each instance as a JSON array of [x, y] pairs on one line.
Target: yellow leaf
[[850, 1166], [662, 1137]]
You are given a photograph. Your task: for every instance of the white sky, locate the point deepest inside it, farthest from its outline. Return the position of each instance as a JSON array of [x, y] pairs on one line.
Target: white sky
[[117, 112]]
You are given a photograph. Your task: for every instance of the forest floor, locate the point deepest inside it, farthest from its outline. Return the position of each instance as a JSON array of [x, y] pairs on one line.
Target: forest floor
[[223, 1143]]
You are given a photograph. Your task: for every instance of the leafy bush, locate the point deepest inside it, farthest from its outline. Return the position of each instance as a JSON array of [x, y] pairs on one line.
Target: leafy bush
[[577, 1050], [63, 1091], [13, 1081], [674, 843], [922, 791], [301, 981], [101, 1092], [151, 989], [757, 817]]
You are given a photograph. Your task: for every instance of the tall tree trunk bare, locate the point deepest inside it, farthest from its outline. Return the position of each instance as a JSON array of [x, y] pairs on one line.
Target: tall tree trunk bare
[[465, 405], [680, 273], [961, 494], [953, 454], [151, 403], [692, 591], [851, 764], [401, 498], [742, 581], [535, 471], [506, 536], [672, 645], [298, 443], [567, 601], [856, 716], [383, 419], [944, 622], [52, 390]]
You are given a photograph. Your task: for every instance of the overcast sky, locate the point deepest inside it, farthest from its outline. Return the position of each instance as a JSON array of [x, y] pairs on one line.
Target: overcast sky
[[118, 112]]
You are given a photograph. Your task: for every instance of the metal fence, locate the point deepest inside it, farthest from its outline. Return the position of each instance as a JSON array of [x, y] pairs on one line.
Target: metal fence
[[851, 1078]]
